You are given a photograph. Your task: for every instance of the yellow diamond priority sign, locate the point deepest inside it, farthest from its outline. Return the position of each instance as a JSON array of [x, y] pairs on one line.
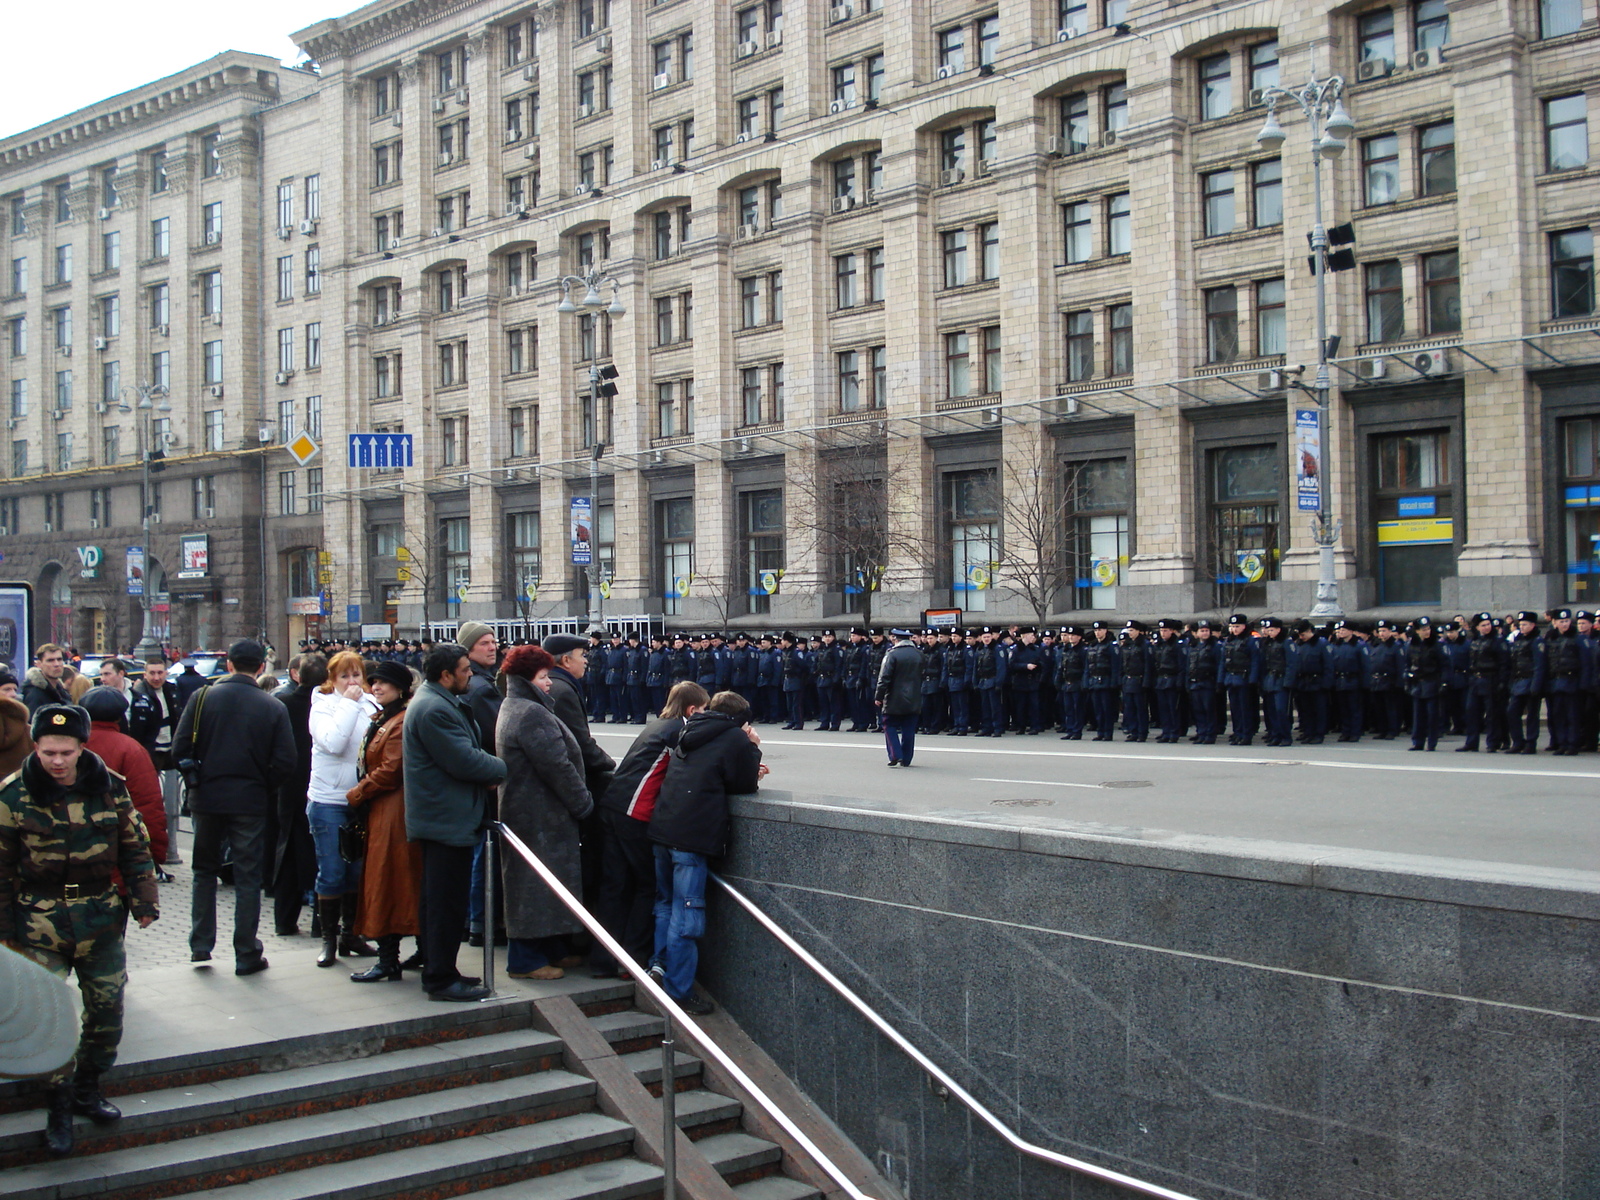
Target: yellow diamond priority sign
[[304, 448]]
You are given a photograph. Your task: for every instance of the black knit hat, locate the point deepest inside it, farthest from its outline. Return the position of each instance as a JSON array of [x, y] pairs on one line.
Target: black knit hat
[[104, 704], [394, 673], [65, 720]]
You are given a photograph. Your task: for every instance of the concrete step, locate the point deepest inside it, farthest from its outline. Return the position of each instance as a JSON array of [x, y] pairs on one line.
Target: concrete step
[[701, 1113], [646, 1065], [169, 1113], [776, 1187], [741, 1158], [629, 1030], [252, 1151], [581, 1157]]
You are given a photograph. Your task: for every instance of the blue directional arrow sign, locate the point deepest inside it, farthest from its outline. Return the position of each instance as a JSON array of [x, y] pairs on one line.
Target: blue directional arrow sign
[[380, 451]]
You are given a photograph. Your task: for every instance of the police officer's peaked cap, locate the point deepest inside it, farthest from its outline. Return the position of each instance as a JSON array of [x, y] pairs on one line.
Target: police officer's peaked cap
[[633, 635], [1026, 629], [1561, 614], [1526, 615], [1238, 619], [60, 720], [1205, 623], [899, 633], [1169, 623], [1480, 618], [1341, 623], [786, 636], [1422, 623], [1271, 623], [1304, 626], [1583, 614], [558, 644], [1135, 626], [1099, 625], [1066, 629]]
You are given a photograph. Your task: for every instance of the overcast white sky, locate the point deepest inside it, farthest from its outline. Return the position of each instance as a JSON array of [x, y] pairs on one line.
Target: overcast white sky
[[107, 47]]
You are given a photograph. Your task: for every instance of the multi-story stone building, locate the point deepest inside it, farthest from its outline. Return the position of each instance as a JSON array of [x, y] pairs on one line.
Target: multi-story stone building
[[990, 307]]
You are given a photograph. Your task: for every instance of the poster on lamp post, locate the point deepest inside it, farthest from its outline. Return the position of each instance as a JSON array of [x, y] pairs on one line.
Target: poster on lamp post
[[1308, 460], [135, 571], [582, 532]]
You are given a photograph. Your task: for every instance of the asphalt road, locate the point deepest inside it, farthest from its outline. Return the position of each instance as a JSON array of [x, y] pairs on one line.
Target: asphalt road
[[1533, 811]]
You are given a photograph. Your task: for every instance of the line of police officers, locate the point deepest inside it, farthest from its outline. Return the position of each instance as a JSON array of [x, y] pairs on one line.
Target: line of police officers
[[1483, 677]]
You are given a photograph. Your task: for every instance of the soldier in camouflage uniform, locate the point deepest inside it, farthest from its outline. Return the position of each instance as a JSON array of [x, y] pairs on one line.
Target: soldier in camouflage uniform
[[66, 824]]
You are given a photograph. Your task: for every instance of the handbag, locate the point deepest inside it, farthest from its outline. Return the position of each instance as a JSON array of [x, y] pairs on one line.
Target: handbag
[[353, 837]]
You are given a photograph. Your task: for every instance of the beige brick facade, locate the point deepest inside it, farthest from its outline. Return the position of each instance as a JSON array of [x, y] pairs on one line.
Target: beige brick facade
[[960, 241]]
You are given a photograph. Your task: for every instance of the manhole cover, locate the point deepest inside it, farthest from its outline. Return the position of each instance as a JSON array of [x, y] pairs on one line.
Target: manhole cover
[[1127, 783], [1025, 803]]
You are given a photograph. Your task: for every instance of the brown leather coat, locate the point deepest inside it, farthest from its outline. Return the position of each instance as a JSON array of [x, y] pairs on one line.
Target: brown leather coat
[[391, 880]]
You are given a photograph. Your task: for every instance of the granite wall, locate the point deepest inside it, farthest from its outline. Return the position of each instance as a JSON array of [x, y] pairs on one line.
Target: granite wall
[[1223, 1018]]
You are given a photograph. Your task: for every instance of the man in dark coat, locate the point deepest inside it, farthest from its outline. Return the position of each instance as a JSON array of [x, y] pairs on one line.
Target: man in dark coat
[[566, 701], [46, 680], [899, 697], [153, 714], [717, 755], [241, 739], [483, 700], [294, 866]]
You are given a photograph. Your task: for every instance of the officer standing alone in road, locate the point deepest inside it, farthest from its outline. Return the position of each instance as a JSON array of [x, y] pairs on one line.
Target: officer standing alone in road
[[66, 823]]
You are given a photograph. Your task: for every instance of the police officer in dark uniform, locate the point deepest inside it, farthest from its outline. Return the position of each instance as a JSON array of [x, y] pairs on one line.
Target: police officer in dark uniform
[[1453, 640], [1240, 673], [655, 673], [1346, 664], [1168, 667], [1385, 664], [635, 693], [1137, 670], [1567, 677], [769, 680], [1102, 678], [930, 681], [958, 681], [1202, 666], [1277, 682], [1424, 680], [795, 673], [594, 678], [828, 665], [1069, 683], [988, 680], [1526, 680], [1026, 670], [1483, 707]]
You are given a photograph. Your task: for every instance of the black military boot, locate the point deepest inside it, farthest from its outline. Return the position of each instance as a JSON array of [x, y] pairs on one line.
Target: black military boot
[[328, 907], [388, 964], [352, 945], [88, 1102], [58, 1133]]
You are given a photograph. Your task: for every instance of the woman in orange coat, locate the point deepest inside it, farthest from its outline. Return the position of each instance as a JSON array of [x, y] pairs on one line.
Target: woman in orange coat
[[391, 881]]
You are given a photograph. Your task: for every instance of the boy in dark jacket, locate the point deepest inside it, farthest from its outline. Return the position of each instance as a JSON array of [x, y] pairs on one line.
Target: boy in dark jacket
[[717, 755]]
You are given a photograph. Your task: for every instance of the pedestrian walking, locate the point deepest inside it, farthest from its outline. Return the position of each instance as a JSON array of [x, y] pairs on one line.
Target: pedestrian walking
[[899, 697]]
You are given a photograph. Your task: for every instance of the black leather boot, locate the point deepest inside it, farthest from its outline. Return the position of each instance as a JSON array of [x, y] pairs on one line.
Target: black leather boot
[[352, 945], [58, 1133], [88, 1102], [388, 964], [328, 907]]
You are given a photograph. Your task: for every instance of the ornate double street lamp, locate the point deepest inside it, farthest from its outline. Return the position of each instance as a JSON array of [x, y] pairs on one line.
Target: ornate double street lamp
[[593, 303], [1330, 128], [146, 407]]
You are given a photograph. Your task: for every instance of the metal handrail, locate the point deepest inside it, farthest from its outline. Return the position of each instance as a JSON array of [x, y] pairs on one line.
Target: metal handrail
[[1015, 1140], [670, 1012]]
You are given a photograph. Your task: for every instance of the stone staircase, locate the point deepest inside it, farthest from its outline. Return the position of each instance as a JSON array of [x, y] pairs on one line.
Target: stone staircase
[[544, 1099]]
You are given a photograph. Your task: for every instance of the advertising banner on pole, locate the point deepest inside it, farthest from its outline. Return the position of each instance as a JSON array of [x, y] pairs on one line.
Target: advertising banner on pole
[[135, 570], [582, 531], [1308, 460]]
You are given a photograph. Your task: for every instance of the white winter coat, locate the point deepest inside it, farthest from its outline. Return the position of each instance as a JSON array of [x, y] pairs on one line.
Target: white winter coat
[[338, 725]]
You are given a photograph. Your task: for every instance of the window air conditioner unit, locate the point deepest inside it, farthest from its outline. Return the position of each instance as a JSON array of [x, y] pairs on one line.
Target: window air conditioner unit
[[953, 176], [531, 72], [513, 135], [285, 232], [746, 49], [446, 158], [1108, 138], [602, 44], [155, 518], [1426, 60], [105, 213], [397, 120], [64, 351], [438, 105], [100, 407], [774, 38], [869, 196], [1373, 68], [659, 164], [991, 416], [394, 243], [1258, 97], [749, 231], [94, 522], [215, 391], [101, 343], [1372, 368], [1055, 147], [213, 237], [208, 513], [1066, 35], [308, 226], [841, 12], [264, 433], [947, 72], [516, 210], [216, 318], [839, 106], [4, 531], [1432, 362], [170, 439], [585, 110], [531, 152], [59, 413], [582, 189], [982, 167], [283, 376], [661, 81], [436, 232], [1271, 381], [743, 138], [843, 203], [463, 96], [49, 527], [163, 330]]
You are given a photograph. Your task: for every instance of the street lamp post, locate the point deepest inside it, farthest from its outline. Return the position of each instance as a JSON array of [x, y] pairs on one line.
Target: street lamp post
[[592, 281], [1330, 127], [146, 408]]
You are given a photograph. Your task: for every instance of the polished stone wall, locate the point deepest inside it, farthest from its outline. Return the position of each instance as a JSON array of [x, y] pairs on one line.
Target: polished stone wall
[[1222, 1018]]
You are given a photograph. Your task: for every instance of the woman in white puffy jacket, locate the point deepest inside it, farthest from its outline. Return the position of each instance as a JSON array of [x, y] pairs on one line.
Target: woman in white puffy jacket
[[341, 710]]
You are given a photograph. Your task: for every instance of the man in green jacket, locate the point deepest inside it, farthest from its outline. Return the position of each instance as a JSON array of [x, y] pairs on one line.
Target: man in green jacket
[[448, 774]]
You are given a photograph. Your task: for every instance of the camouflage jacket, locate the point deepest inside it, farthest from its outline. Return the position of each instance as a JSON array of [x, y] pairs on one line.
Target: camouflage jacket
[[50, 836]]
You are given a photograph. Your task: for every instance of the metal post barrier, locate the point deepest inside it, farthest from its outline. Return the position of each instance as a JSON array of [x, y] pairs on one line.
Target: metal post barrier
[[488, 907], [669, 1109]]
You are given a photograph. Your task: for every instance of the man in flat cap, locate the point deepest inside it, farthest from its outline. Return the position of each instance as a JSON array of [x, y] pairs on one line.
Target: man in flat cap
[[59, 905]]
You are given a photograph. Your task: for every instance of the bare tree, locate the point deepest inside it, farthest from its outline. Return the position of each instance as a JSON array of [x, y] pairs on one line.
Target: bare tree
[[1034, 504], [839, 511], [423, 561]]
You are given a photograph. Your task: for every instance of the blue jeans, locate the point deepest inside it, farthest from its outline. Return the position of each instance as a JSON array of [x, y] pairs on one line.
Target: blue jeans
[[680, 916], [900, 735], [529, 954], [335, 877]]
